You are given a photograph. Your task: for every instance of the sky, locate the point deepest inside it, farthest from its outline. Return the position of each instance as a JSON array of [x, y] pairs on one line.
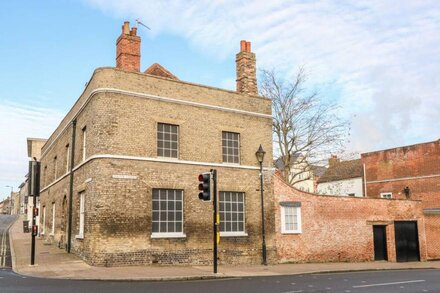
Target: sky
[[380, 62]]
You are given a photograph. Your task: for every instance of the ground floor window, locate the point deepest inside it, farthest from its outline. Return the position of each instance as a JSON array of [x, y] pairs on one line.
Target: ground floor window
[[167, 218], [290, 217], [53, 219], [43, 226], [82, 198], [232, 213]]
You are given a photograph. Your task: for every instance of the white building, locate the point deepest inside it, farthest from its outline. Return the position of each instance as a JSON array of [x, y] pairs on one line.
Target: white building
[[342, 178], [302, 175]]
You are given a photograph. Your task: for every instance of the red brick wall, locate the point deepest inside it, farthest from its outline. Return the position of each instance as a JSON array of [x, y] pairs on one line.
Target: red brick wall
[[336, 228], [432, 226], [404, 163]]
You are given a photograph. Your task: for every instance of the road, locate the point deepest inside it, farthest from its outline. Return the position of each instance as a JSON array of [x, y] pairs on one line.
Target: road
[[361, 282], [5, 253]]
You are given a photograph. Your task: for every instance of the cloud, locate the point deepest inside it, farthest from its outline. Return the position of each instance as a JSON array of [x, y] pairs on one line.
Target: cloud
[[17, 122], [383, 57]]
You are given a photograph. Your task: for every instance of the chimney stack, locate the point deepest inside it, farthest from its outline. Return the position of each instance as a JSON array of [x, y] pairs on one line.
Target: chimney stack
[[333, 160], [128, 49], [246, 70]]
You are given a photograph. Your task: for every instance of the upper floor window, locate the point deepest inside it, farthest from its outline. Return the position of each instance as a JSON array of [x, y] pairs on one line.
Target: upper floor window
[[231, 147], [84, 142], [55, 166], [387, 195], [291, 217], [232, 213], [67, 157], [167, 140], [44, 175]]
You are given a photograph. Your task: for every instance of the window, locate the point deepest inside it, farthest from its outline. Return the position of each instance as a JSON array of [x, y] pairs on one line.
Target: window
[[53, 219], [231, 147], [167, 213], [43, 226], [45, 176], [290, 217], [81, 215], [67, 157], [232, 214], [350, 194], [387, 195], [55, 166], [167, 140], [84, 138]]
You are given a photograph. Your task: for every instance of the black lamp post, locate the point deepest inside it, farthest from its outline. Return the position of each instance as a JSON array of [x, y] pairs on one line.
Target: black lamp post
[[260, 157]]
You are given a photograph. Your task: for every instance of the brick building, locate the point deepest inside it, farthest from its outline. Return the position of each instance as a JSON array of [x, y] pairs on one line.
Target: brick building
[[326, 228], [128, 154], [409, 172]]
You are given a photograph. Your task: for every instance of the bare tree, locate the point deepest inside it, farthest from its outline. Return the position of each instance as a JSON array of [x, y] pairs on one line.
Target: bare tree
[[306, 129]]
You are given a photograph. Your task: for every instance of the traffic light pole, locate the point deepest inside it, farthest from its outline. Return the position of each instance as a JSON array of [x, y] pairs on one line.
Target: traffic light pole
[[34, 190], [214, 204]]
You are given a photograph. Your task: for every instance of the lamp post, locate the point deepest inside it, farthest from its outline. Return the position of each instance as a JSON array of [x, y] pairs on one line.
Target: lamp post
[[260, 157], [10, 201]]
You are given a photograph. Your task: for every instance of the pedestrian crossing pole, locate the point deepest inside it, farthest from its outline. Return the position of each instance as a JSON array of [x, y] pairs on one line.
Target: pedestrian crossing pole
[[34, 191], [215, 220]]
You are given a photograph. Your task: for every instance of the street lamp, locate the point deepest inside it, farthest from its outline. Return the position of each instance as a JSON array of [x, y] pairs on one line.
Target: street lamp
[[10, 201], [260, 157]]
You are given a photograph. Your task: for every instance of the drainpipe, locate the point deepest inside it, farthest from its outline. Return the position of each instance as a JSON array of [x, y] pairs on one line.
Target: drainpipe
[[365, 181], [72, 161]]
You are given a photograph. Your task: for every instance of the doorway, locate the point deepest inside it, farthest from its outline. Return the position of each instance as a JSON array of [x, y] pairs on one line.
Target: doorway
[[380, 242], [407, 241]]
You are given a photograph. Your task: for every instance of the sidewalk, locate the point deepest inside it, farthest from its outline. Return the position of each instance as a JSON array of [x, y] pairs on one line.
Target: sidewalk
[[52, 262]]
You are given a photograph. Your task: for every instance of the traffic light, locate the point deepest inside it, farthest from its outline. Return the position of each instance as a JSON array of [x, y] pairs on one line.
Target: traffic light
[[205, 186]]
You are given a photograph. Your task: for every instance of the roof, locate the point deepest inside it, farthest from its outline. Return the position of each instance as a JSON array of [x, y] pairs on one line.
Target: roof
[[159, 70], [318, 170], [342, 170], [279, 163]]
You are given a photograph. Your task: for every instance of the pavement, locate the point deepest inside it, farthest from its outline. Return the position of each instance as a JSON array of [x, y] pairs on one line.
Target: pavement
[[53, 262]]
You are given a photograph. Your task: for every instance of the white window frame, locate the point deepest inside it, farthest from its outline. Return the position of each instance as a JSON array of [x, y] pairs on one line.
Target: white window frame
[[53, 219], [170, 141], [81, 215], [169, 234], [283, 220], [227, 154], [386, 195], [84, 142], [43, 228], [235, 233]]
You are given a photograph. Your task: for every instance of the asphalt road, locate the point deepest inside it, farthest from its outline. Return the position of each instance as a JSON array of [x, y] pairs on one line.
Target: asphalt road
[[5, 253], [362, 282]]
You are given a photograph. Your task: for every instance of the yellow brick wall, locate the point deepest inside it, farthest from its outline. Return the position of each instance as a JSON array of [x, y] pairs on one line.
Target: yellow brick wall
[[118, 211]]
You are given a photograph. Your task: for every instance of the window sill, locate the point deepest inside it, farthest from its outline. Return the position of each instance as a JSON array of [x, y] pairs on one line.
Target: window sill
[[233, 234], [168, 158], [230, 164], [167, 235], [291, 232], [80, 236]]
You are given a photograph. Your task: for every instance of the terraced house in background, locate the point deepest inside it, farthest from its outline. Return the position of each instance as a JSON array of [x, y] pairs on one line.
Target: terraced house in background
[[128, 154]]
